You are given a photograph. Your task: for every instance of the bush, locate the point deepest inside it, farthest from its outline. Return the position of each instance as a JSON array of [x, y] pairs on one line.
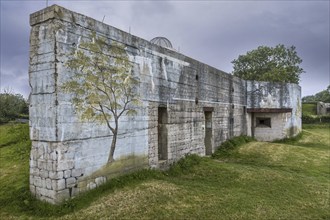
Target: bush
[[12, 106], [317, 126], [184, 165], [315, 119], [229, 146]]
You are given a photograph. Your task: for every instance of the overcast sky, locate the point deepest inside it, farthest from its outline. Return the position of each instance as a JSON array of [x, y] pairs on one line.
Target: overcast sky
[[214, 32]]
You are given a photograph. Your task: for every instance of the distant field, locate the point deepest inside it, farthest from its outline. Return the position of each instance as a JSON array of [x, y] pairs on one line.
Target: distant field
[[258, 180], [309, 108]]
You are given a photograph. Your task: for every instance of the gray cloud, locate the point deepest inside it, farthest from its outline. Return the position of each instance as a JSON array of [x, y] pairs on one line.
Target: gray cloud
[[214, 32]]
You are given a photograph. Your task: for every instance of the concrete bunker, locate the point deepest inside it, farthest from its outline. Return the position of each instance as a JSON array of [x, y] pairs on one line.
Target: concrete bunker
[[269, 124], [187, 107], [323, 108]]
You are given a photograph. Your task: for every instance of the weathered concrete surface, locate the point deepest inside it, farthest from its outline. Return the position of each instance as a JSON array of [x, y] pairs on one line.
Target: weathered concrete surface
[[281, 103], [69, 156], [323, 108]]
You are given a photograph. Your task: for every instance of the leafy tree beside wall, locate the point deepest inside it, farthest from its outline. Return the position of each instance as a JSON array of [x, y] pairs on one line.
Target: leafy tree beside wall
[[103, 85], [270, 64]]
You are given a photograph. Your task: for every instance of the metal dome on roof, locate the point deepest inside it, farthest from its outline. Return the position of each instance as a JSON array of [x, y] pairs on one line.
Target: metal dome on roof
[[162, 41]]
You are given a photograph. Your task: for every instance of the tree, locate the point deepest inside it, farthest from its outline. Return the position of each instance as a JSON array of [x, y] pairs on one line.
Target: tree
[[272, 64], [12, 106], [103, 86], [323, 96]]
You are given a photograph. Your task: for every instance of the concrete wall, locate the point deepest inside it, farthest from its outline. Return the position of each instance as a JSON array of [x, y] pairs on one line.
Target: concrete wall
[[323, 108], [69, 155], [276, 130], [279, 102]]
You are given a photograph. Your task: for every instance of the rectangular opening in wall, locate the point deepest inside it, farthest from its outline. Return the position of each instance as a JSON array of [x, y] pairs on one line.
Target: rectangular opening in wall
[[208, 132], [328, 110], [162, 133], [263, 122], [231, 120]]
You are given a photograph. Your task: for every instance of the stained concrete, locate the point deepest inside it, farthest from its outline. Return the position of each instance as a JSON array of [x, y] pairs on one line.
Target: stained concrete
[[69, 156], [323, 108]]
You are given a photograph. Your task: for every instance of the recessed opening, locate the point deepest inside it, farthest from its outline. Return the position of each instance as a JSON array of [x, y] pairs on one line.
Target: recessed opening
[[328, 110], [196, 101], [263, 122], [197, 77], [162, 133], [208, 132]]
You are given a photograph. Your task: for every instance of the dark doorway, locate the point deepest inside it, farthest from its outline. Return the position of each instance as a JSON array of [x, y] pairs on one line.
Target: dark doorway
[[162, 133], [208, 133]]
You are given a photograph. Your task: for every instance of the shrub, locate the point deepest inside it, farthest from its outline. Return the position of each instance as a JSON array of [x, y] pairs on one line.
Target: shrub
[[184, 165], [317, 126], [12, 106], [315, 119], [229, 146]]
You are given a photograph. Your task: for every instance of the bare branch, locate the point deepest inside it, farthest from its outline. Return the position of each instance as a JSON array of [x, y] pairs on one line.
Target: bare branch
[[106, 119], [125, 107], [96, 109]]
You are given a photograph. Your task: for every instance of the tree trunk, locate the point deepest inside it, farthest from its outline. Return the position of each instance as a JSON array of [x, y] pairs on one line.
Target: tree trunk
[[112, 148], [113, 143]]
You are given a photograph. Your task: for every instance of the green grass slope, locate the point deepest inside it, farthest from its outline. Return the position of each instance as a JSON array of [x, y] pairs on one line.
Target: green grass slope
[[257, 180], [14, 168]]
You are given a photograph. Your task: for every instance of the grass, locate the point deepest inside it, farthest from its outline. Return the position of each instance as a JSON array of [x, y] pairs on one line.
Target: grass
[[14, 166], [309, 108], [253, 180]]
